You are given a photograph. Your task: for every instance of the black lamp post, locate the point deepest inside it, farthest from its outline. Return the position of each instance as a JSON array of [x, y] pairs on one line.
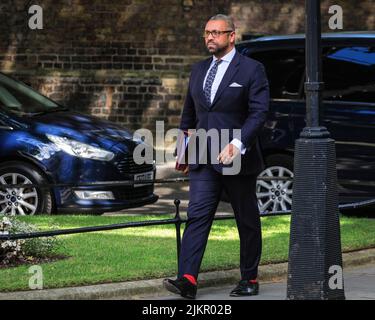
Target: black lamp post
[[315, 244]]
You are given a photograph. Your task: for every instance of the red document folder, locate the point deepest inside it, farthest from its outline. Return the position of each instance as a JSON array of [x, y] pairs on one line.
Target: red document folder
[[182, 150]]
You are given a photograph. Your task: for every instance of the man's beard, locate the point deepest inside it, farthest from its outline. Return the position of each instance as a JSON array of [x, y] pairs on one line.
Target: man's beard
[[217, 49]]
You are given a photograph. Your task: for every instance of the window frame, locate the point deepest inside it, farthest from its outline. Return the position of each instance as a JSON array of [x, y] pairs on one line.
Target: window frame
[[250, 51]]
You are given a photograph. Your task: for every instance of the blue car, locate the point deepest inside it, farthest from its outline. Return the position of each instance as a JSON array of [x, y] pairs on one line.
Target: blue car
[[348, 111], [44, 143]]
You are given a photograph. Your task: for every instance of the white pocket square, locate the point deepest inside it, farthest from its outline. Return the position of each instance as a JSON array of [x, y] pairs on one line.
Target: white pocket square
[[235, 85]]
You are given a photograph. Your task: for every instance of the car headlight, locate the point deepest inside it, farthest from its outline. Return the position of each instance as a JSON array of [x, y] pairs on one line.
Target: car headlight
[[79, 149]]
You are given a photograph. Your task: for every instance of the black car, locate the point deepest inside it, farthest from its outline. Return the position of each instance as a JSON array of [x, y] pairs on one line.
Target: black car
[[348, 110]]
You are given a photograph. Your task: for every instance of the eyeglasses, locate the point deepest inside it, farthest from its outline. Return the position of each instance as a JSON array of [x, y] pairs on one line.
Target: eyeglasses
[[214, 33]]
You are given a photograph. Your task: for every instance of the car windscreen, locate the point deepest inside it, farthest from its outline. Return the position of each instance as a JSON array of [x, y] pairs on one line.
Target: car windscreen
[[17, 98]]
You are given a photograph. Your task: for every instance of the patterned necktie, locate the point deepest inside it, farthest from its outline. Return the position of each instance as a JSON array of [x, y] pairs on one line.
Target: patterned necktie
[[210, 80]]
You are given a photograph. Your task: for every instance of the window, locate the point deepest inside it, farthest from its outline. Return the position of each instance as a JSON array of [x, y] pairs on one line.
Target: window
[[349, 74], [17, 98], [285, 69]]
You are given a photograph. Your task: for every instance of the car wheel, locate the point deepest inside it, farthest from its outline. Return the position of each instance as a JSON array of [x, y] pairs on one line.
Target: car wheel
[[275, 195], [26, 200]]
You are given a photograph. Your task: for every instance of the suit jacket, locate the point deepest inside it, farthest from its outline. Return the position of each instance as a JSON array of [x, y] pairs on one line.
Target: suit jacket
[[243, 108]]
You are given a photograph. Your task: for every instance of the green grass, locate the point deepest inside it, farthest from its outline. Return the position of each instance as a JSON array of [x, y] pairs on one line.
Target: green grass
[[150, 252]]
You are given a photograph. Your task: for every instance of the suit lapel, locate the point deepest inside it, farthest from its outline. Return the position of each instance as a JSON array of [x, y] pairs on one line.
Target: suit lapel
[[229, 74]]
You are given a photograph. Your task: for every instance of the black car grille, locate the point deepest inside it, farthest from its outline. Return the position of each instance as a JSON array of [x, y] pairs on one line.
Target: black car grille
[[130, 193], [127, 165]]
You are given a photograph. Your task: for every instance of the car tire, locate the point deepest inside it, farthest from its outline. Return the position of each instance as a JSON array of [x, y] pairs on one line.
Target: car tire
[[276, 195], [30, 201]]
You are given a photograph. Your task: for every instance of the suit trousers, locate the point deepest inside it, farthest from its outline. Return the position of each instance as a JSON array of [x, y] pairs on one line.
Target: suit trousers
[[206, 186]]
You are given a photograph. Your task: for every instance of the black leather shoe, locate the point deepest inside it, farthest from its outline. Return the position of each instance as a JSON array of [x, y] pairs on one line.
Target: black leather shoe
[[245, 288], [182, 287]]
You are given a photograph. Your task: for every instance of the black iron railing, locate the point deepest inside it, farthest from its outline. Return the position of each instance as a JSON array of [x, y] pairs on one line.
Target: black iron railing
[[177, 221]]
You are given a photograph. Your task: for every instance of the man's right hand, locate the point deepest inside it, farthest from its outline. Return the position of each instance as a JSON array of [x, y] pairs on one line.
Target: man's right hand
[[186, 171]]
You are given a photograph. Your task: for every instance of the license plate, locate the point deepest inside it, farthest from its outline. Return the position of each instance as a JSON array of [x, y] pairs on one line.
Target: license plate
[[147, 176]]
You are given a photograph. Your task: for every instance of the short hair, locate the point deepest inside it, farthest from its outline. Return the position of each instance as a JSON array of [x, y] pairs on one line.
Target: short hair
[[225, 18]]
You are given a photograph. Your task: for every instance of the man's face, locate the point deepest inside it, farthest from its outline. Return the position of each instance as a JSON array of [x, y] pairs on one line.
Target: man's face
[[223, 42]]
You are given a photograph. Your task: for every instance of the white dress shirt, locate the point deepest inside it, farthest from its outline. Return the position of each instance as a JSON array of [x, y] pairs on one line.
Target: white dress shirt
[[222, 68]]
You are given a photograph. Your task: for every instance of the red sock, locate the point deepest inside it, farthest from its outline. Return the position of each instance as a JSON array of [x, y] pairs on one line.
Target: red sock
[[190, 278], [253, 281]]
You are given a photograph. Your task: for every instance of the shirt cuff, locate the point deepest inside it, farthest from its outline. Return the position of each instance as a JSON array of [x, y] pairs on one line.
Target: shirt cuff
[[239, 145]]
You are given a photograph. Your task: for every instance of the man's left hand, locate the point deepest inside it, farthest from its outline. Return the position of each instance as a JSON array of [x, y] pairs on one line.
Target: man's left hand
[[228, 154]]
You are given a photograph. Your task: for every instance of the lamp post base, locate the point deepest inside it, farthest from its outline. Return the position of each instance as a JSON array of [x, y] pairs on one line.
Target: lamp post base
[[315, 258]]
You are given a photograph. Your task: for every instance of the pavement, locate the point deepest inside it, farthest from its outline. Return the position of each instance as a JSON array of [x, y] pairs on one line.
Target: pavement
[[359, 282], [359, 266]]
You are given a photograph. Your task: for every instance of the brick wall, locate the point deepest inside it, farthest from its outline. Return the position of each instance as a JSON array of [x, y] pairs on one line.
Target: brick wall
[[134, 101], [129, 60]]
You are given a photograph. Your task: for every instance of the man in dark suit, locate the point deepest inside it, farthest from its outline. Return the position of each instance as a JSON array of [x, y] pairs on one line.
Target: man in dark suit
[[228, 91]]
